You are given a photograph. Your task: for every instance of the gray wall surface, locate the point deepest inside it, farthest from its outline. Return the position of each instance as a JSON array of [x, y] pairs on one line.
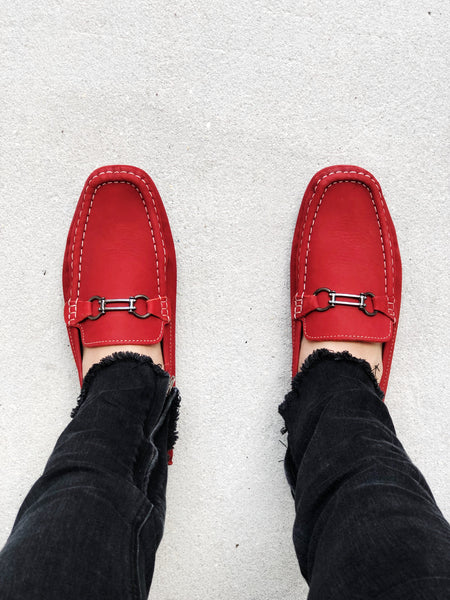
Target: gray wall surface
[[231, 107]]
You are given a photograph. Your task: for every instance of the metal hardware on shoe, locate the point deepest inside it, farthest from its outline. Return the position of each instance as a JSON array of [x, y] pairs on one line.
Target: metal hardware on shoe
[[131, 308], [332, 302]]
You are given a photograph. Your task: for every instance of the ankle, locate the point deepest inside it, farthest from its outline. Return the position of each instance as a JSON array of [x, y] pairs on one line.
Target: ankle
[[370, 352], [95, 355]]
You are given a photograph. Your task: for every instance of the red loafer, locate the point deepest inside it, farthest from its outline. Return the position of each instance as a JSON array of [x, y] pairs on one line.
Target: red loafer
[[119, 273], [346, 274]]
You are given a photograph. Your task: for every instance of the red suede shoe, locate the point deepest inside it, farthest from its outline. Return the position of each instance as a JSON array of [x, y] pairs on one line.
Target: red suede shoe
[[346, 273], [119, 273]]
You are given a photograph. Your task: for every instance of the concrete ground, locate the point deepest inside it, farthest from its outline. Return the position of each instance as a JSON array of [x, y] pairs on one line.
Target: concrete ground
[[231, 107]]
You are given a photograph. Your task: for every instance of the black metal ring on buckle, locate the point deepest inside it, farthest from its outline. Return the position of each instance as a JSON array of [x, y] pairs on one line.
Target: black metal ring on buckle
[[131, 308], [332, 302]]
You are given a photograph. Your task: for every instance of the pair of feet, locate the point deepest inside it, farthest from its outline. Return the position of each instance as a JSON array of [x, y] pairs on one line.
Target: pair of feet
[[120, 271]]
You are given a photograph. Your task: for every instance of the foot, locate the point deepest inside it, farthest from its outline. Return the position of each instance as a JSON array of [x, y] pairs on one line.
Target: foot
[[119, 274], [345, 271], [371, 352], [95, 355]]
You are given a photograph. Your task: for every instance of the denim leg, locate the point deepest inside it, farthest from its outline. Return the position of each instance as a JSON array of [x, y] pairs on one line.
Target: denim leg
[[366, 525], [90, 526]]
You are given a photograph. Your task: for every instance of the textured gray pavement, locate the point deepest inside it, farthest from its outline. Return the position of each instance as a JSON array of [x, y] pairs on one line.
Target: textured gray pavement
[[231, 107]]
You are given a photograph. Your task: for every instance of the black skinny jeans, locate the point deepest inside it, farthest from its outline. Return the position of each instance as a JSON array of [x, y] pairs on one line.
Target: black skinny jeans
[[366, 522]]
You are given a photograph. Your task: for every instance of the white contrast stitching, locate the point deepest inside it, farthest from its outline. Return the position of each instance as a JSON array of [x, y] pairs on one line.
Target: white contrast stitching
[[122, 341], [88, 184], [164, 307], [315, 216], [73, 309], [86, 224], [392, 254], [151, 196], [337, 336], [338, 172], [72, 343]]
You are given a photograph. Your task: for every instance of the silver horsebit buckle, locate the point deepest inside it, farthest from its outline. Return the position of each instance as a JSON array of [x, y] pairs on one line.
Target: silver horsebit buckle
[[332, 302], [131, 308]]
